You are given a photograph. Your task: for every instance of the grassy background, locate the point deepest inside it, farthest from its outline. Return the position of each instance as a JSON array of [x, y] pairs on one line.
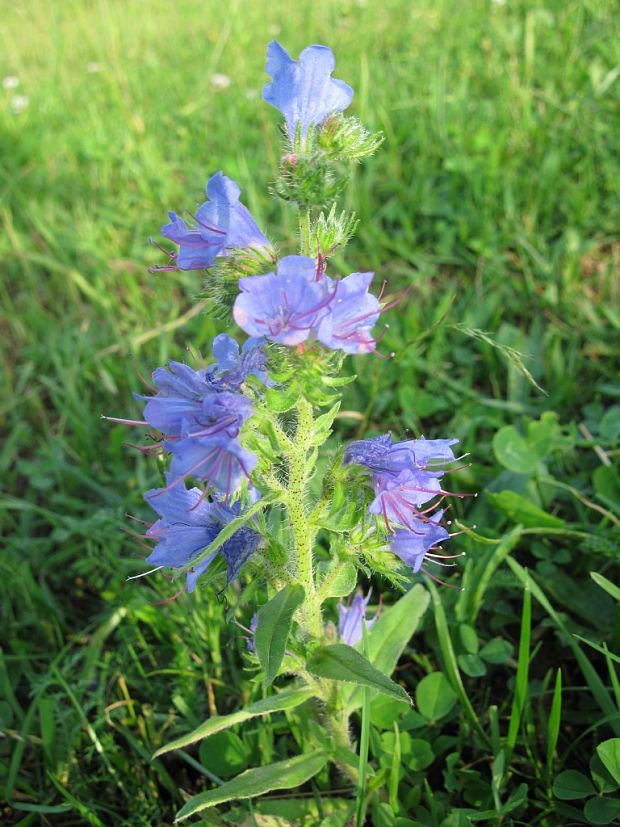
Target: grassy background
[[495, 198]]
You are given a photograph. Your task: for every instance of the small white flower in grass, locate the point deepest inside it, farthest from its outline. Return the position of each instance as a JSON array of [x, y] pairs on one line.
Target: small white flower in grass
[[19, 103], [10, 82], [93, 67], [219, 81]]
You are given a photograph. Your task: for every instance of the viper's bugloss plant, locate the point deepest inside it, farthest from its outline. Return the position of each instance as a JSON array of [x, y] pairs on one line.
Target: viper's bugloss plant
[[242, 436]]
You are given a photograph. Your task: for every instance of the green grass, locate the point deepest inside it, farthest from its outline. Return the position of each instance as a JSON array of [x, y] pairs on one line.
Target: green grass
[[494, 199]]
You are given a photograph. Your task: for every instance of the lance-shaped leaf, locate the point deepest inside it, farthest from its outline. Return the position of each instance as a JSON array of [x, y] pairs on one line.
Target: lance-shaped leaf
[[217, 723], [340, 662], [284, 775], [274, 625], [390, 634]]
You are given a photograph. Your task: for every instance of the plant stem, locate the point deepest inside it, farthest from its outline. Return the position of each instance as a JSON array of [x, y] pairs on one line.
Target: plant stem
[[304, 233], [303, 532]]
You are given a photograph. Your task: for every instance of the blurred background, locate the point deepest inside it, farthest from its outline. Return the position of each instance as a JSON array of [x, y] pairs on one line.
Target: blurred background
[[494, 198]]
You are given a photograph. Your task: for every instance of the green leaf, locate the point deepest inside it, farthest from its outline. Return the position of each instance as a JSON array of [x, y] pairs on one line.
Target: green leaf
[[321, 427], [606, 584], [597, 687], [553, 724], [609, 426], [391, 633], [281, 399], [274, 625], [602, 810], [602, 778], [521, 510], [469, 638], [497, 650], [571, 785], [284, 775], [340, 662], [513, 452], [523, 666], [275, 703], [338, 583], [609, 753], [224, 754], [472, 665], [420, 756], [434, 696]]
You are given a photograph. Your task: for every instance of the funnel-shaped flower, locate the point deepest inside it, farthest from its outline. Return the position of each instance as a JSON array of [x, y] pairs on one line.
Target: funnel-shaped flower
[[222, 224], [233, 367], [283, 306], [350, 619], [413, 545], [218, 461], [384, 457], [399, 498], [189, 523], [304, 92], [352, 315]]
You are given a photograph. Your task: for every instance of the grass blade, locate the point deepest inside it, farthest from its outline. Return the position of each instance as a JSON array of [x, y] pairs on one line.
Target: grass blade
[[523, 667]]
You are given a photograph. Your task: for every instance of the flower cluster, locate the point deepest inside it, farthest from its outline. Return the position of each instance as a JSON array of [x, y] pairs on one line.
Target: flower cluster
[[188, 523], [299, 300], [405, 476], [200, 414]]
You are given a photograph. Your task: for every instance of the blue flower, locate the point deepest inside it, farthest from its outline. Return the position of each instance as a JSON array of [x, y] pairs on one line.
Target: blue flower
[[389, 459], [304, 92], [350, 619], [232, 367], [219, 461], [190, 400], [181, 391], [398, 498], [283, 306], [222, 224], [189, 523], [351, 316], [413, 545]]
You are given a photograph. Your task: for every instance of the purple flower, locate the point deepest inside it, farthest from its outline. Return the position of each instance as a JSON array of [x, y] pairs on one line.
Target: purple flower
[[369, 452], [181, 391], [304, 92], [351, 317], [189, 523], [217, 460], [284, 307], [398, 498], [413, 545], [383, 457], [232, 367], [350, 619], [251, 645], [222, 224]]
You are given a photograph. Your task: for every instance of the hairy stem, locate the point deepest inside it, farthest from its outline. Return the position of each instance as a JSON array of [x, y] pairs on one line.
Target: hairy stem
[[302, 530]]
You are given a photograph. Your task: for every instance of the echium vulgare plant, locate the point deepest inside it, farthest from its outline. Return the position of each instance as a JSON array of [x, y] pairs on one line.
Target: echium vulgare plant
[[251, 490]]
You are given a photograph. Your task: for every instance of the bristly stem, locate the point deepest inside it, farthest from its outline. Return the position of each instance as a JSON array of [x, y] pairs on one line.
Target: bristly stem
[[304, 233], [302, 530]]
